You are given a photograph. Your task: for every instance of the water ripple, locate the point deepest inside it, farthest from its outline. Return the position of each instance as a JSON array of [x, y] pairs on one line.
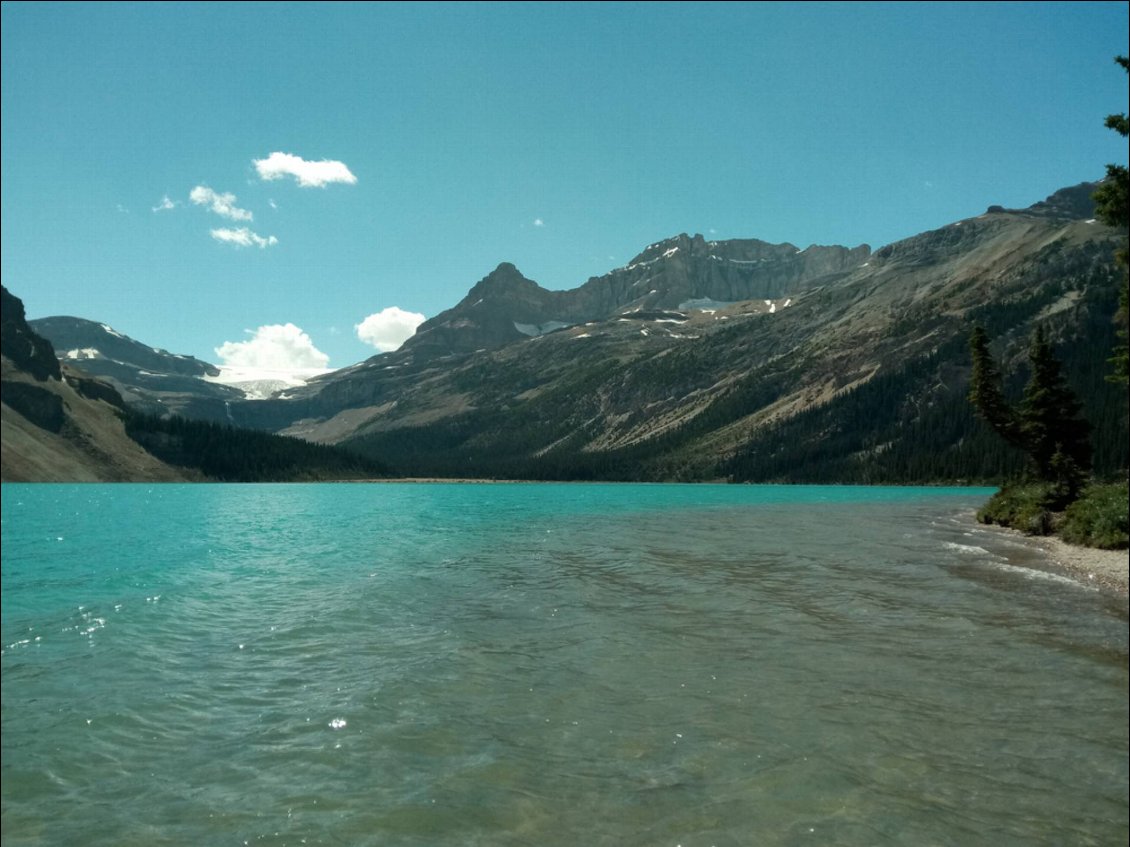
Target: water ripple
[[521, 665]]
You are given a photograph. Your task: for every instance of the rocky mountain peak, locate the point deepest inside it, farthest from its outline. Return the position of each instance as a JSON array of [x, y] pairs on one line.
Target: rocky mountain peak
[[1076, 202], [668, 247], [1073, 203], [489, 316], [504, 282]]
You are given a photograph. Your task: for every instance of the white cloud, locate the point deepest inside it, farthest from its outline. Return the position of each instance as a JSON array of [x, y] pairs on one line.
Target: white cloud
[[222, 204], [243, 237], [539, 222], [165, 204], [308, 174], [277, 347], [389, 328]]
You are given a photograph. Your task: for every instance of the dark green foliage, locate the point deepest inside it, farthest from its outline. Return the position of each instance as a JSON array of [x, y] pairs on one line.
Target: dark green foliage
[[1046, 424], [1120, 361], [1048, 420], [1052, 432], [228, 454], [43, 408], [913, 424], [1112, 200], [1028, 507], [1112, 207], [986, 392], [1099, 518]]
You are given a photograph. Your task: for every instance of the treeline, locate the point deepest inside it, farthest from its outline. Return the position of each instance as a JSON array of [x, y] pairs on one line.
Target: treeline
[[916, 424], [229, 454], [910, 425]]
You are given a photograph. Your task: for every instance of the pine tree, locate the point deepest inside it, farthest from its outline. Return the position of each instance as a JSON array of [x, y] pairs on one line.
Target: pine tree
[[1055, 435], [1112, 207], [985, 392], [1047, 424]]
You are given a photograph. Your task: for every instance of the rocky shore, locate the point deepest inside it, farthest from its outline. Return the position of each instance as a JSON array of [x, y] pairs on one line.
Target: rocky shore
[[1103, 568]]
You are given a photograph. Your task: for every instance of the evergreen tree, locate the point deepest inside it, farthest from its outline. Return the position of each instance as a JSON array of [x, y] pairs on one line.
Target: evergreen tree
[[1049, 415], [1047, 424], [985, 391], [1112, 207]]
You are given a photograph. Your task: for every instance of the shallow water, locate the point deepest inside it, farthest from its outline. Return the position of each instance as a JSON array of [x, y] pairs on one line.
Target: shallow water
[[548, 665]]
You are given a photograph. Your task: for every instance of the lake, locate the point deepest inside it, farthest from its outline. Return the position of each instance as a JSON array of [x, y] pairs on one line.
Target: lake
[[509, 664]]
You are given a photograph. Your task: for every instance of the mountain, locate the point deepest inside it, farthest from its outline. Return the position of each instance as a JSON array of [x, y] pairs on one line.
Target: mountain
[[738, 360], [678, 273], [156, 382], [699, 359], [149, 379], [59, 425], [63, 425], [669, 281]]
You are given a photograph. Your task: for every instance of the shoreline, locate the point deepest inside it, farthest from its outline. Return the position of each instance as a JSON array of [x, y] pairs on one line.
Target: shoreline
[[1108, 570]]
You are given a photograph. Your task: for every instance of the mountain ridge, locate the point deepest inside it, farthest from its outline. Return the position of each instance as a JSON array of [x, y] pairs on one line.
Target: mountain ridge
[[679, 363], [675, 271], [555, 404]]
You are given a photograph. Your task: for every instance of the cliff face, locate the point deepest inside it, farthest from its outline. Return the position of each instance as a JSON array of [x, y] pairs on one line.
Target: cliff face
[[20, 345], [668, 274]]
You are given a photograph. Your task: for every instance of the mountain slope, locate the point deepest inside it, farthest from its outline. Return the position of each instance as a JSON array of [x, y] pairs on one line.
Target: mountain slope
[[702, 394], [149, 379], [682, 278], [59, 426]]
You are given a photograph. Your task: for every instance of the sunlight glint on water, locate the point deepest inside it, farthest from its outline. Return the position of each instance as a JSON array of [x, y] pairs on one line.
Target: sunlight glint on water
[[548, 664]]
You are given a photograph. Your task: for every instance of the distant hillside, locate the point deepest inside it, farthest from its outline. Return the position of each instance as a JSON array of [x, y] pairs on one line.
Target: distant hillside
[[60, 425], [149, 379]]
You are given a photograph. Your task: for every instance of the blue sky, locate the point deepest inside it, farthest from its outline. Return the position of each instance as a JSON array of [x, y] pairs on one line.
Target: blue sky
[[561, 137]]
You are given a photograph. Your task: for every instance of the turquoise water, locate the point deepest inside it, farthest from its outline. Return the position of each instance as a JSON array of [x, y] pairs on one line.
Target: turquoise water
[[548, 665]]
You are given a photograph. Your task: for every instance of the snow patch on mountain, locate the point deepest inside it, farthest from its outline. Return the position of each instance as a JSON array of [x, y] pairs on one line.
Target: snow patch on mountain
[[113, 331], [534, 330], [83, 353]]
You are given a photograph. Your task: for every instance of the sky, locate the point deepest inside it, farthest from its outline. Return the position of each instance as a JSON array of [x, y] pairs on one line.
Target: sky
[[293, 184]]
